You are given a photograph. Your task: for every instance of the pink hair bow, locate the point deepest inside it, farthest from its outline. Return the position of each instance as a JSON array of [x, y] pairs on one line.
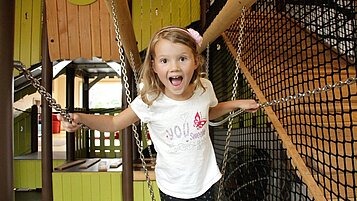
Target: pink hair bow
[[195, 35]]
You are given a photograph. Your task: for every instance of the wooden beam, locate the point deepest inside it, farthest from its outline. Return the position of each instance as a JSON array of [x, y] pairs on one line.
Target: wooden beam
[[229, 14], [125, 26], [291, 150]]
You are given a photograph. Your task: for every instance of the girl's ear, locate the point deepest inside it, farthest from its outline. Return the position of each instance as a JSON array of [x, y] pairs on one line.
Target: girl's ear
[[196, 62]]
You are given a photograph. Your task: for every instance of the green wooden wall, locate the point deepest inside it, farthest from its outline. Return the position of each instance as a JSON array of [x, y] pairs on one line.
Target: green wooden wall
[[22, 134], [27, 38], [99, 186], [149, 16], [28, 173]]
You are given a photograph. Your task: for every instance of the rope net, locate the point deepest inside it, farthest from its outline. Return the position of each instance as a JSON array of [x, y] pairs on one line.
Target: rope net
[[290, 47]]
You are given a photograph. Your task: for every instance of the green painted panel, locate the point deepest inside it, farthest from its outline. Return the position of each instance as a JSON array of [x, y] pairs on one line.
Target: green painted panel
[[17, 31], [166, 14], [38, 173], [195, 10], [105, 186], [26, 22], [95, 184], [67, 186], [117, 187], [156, 16], [138, 189], [175, 12], [36, 32], [136, 20], [86, 186], [76, 187], [185, 13], [145, 24], [57, 187]]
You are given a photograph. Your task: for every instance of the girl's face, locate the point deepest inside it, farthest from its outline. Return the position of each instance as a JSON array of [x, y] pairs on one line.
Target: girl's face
[[174, 64]]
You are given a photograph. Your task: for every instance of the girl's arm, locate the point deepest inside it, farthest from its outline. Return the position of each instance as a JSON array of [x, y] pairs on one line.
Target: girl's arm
[[101, 122], [223, 108]]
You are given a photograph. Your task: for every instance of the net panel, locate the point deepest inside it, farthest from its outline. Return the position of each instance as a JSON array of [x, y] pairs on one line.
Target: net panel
[[291, 47]]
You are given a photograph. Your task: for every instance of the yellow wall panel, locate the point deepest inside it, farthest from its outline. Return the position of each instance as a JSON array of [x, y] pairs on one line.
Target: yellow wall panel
[[185, 13], [36, 32], [26, 31], [156, 16], [136, 20], [195, 10]]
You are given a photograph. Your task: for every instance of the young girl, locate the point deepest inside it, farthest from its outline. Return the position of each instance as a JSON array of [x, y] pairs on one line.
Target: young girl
[[176, 103]]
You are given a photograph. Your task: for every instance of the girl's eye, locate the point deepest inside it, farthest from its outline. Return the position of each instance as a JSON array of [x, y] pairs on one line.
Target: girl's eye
[[164, 61], [183, 58]]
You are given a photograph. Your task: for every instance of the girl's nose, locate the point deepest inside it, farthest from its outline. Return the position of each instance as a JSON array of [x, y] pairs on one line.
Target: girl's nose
[[174, 66]]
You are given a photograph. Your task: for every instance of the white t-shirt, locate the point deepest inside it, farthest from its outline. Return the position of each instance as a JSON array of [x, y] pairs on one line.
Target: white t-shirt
[[186, 166]]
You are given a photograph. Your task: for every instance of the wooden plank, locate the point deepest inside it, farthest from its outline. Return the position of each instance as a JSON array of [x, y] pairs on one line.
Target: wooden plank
[[156, 16], [26, 22], [116, 178], [105, 30], [138, 188], [73, 31], [76, 187], [85, 41], [137, 20], [17, 32], [145, 24], [166, 13], [175, 12], [52, 30], [195, 10], [89, 163], [95, 29], [70, 164], [95, 186], [185, 13], [86, 186], [296, 159], [105, 186], [67, 186], [36, 32], [57, 186], [63, 29], [114, 49]]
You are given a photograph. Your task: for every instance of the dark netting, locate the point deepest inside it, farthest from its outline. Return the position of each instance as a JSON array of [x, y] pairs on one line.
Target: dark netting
[[291, 47]]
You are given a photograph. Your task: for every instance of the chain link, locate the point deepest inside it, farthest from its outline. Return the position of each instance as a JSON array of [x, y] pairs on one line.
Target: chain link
[[234, 94], [207, 61], [128, 97], [42, 90]]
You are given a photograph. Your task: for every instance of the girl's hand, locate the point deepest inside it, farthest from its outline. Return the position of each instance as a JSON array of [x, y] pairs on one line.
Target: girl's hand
[[249, 105], [69, 127]]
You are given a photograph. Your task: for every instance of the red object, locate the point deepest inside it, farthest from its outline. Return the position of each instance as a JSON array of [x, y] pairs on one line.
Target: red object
[[56, 124]]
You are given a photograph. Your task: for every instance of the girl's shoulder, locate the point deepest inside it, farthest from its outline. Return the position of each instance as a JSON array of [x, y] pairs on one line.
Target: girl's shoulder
[[205, 82]]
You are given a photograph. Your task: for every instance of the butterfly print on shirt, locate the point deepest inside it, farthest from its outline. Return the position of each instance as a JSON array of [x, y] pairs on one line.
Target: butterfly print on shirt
[[198, 122]]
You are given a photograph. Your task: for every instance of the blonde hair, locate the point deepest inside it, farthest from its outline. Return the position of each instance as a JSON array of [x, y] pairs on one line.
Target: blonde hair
[[152, 84]]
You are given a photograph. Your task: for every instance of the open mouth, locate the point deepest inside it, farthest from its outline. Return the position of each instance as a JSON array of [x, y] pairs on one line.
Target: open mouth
[[176, 80]]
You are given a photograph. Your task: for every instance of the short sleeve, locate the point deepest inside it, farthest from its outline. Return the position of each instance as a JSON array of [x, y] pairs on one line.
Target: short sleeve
[[141, 109], [213, 101]]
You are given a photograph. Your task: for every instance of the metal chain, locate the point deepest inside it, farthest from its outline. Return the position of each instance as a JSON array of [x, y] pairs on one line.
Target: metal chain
[[326, 88], [42, 90], [128, 99], [234, 94], [136, 77], [207, 61]]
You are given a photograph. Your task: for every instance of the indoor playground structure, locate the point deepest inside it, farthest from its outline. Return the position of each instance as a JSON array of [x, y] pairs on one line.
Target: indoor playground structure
[[297, 58]]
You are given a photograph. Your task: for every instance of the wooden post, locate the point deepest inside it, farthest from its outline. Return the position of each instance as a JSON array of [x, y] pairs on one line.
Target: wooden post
[[46, 117], [7, 15], [70, 138]]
